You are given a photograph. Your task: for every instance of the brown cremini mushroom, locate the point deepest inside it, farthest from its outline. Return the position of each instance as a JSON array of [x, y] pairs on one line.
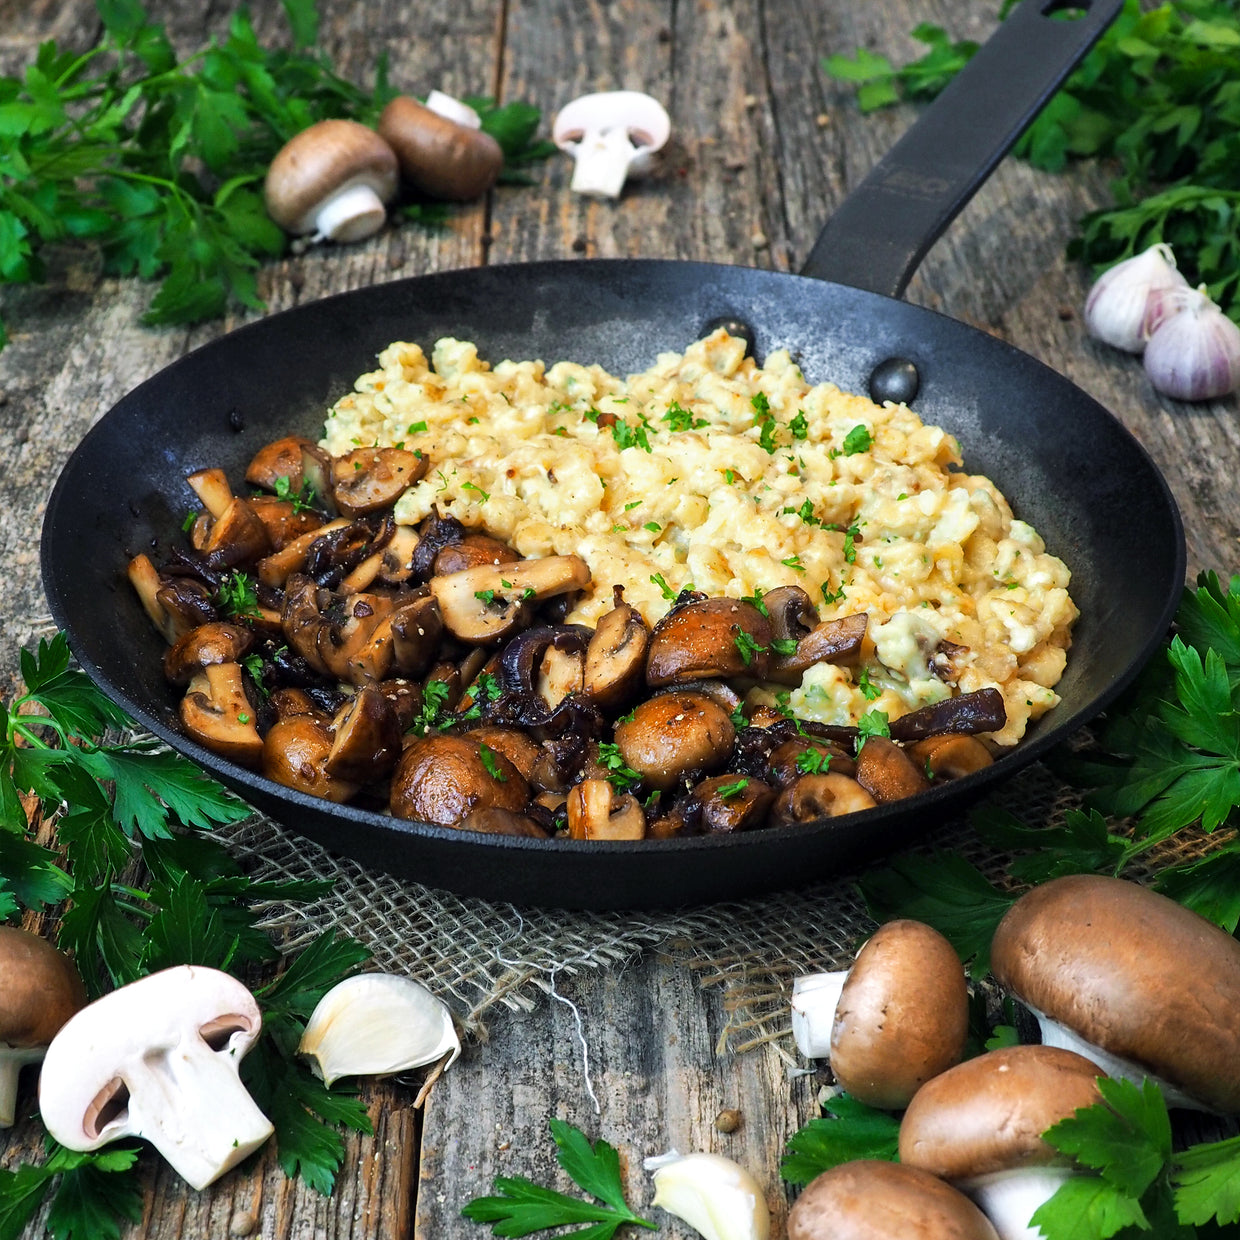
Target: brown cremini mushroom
[[216, 712], [367, 738], [820, 796], [368, 479], [731, 803], [616, 656], [439, 155], [218, 642], [443, 779], [39, 990], [295, 753], [950, 756], [873, 1200], [1134, 981], [597, 812], [675, 735], [331, 181], [709, 638], [886, 772], [898, 1017]]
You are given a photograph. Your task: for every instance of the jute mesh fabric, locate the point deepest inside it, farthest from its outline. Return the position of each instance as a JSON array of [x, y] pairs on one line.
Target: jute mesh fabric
[[477, 956]]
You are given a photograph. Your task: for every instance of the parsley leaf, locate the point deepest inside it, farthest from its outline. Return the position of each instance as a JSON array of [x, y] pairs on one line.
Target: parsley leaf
[[857, 440], [852, 1130], [620, 775], [487, 754], [524, 1207]]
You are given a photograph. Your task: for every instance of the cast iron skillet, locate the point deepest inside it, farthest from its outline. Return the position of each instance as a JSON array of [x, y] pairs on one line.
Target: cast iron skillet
[[1066, 464]]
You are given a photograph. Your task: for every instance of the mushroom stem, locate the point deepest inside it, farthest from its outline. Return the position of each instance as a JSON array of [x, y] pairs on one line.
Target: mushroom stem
[[815, 997], [603, 163], [1010, 1198], [12, 1060], [355, 212], [1055, 1034]]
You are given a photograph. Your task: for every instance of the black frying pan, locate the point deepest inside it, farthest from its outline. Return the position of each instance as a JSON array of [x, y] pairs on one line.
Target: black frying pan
[[1065, 463]]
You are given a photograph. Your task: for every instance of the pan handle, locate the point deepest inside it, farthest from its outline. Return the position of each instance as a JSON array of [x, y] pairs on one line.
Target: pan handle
[[882, 230]]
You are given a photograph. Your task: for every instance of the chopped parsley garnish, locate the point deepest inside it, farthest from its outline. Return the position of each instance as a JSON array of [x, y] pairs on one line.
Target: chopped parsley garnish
[[653, 526], [830, 596], [851, 534], [872, 723], [729, 476], [627, 436], [619, 774], [637, 503], [738, 716], [748, 647], [487, 754], [756, 599], [784, 645], [469, 486], [302, 498], [813, 761], [869, 690], [237, 596], [732, 790], [793, 561], [188, 523], [679, 419], [416, 428], [857, 440], [805, 512], [485, 688], [485, 596], [799, 426], [435, 694], [665, 589], [764, 419]]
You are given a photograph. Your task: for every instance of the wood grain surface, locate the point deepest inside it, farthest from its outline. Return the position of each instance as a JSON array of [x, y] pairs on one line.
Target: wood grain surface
[[764, 145]]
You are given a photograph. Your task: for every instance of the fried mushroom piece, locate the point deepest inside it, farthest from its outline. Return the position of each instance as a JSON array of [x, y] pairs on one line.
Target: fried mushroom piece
[[443, 779], [295, 753], [367, 479], [950, 756], [597, 812], [674, 736], [730, 803], [709, 638], [216, 712], [820, 796], [886, 772], [367, 738]]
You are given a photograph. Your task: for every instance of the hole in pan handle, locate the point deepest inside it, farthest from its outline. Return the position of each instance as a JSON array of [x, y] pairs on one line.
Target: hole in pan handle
[[882, 230]]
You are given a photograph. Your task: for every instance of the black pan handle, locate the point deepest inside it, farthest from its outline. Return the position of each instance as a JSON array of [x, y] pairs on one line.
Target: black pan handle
[[882, 230]]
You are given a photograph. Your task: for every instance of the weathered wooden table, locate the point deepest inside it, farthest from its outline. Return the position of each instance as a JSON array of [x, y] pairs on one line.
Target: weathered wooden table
[[763, 145]]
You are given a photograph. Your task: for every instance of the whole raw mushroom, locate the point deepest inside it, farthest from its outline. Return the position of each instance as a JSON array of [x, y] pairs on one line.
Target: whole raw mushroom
[[439, 151], [40, 989], [1135, 982], [331, 182], [897, 1018], [159, 1059]]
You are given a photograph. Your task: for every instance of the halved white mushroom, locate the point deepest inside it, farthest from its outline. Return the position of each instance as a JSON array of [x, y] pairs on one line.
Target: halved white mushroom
[[159, 1059], [612, 135]]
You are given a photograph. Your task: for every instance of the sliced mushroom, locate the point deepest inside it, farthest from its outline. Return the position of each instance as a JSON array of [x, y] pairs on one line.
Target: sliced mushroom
[[820, 796], [616, 656], [216, 712], [731, 803], [367, 738], [237, 536], [488, 603], [275, 569], [611, 135], [283, 520], [175, 606], [218, 642], [276, 460], [596, 812], [981, 711], [709, 638], [316, 473], [496, 821], [674, 736], [950, 756], [832, 641], [887, 773], [295, 752], [472, 551], [804, 755], [396, 563], [369, 479], [442, 779], [416, 630], [213, 489]]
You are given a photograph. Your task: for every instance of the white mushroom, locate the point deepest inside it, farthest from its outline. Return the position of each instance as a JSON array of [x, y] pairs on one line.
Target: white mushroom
[[331, 182], [159, 1059], [612, 135]]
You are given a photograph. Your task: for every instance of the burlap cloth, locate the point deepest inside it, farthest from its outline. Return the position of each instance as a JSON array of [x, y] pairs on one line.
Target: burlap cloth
[[477, 956]]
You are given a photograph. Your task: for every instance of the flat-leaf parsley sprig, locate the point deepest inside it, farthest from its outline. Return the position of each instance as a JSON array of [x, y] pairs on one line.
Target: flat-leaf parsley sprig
[[523, 1207], [111, 803]]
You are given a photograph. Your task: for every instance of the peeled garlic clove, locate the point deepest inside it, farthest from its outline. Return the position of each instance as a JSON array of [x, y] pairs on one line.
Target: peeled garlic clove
[[712, 1194], [377, 1024], [1117, 307], [1194, 354], [815, 996]]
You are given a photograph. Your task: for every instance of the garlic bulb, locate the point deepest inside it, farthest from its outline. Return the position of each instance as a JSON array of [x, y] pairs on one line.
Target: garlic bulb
[[1117, 307], [712, 1194], [815, 996], [376, 1024], [1194, 354]]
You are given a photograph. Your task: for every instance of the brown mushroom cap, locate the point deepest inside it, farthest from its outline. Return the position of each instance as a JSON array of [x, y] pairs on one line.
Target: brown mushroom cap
[[902, 1016], [873, 1200], [886, 772], [438, 155], [318, 164], [1132, 972], [40, 988], [295, 752], [443, 779], [710, 637], [673, 735], [820, 796], [988, 1114], [217, 642]]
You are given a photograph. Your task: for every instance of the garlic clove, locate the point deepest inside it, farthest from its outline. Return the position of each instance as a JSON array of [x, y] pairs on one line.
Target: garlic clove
[[712, 1194], [1117, 307], [377, 1024], [815, 996], [1194, 353]]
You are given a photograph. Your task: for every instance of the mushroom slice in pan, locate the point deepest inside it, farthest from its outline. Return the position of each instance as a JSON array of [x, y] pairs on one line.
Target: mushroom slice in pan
[[616, 656], [216, 713], [443, 779], [367, 738], [596, 812], [886, 772], [416, 629], [283, 520], [275, 569], [804, 755], [731, 803], [368, 479], [217, 642], [488, 603], [213, 489], [280, 459], [496, 821], [980, 711], [832, 641], [709, 638], [237, 536], [950, 756], [175, 606], [820, 796], [675, 735], [295, 753], [471, 551]]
